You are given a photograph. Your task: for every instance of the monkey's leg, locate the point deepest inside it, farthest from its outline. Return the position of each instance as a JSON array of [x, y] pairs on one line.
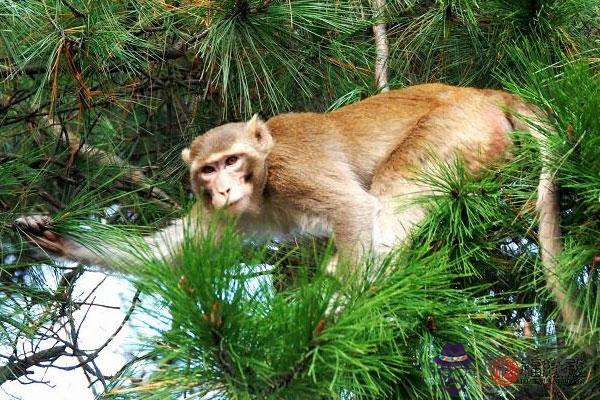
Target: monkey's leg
[[440, 137], [399, 216], [353, 226], [353, 229], [398, 194]]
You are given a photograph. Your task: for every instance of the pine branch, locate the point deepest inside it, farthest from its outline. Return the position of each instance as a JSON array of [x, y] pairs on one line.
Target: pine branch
[[16, 369], [288, 377], [550, 240], [132, 175], [177, 50]]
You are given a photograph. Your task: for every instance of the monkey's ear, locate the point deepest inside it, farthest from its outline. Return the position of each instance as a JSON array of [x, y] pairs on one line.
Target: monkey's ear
[[185, 155], [258, 134]]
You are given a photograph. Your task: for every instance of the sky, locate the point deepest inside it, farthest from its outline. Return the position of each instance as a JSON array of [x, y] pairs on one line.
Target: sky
[[100, 324]]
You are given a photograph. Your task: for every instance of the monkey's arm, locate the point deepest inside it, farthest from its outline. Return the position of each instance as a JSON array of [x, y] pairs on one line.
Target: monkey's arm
[[163, 244]]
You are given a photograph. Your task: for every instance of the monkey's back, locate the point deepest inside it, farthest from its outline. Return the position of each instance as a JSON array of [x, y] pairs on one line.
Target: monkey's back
[[364, 134]]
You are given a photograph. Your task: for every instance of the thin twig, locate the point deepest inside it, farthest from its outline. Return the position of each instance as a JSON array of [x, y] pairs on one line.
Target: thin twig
[[54, 202], [181, 46], [75, 11]]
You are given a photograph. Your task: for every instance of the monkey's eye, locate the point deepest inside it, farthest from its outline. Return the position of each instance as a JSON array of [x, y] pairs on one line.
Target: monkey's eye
[[231, 160], [207, 169]]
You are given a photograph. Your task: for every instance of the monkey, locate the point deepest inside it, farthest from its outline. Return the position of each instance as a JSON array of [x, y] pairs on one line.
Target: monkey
[[339, 174]]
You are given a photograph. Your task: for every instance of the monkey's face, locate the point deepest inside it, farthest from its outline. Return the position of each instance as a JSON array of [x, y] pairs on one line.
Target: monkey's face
[[227, 165], [227, 182]]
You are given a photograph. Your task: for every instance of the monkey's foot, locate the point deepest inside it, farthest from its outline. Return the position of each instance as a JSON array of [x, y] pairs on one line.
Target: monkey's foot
[[36, 228]]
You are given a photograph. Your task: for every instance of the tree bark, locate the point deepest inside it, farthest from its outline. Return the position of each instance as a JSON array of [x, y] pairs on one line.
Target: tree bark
[[381, 46]]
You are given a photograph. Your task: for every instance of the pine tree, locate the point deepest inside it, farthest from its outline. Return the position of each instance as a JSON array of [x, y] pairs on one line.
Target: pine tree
[[98, 98]]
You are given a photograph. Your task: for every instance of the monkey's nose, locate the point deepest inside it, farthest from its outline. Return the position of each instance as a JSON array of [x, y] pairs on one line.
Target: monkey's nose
[[226, 192]]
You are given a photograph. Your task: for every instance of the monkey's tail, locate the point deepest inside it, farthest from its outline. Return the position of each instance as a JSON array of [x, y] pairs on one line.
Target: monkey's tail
[[548, 212]]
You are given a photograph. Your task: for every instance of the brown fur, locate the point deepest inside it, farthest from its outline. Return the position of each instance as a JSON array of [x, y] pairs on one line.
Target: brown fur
[[343, 172]]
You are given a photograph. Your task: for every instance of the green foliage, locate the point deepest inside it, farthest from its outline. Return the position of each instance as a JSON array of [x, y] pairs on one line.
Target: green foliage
[[468, 42], [227, 333]]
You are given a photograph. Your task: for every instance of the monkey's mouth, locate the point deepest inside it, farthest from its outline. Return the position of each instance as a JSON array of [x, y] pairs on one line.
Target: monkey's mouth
[[233, 204]]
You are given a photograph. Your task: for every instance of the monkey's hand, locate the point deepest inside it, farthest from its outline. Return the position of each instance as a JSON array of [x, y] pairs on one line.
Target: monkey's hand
[[37, 229]]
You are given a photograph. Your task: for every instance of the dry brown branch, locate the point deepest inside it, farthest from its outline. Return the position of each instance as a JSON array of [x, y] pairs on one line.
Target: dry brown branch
[[10, 72]]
